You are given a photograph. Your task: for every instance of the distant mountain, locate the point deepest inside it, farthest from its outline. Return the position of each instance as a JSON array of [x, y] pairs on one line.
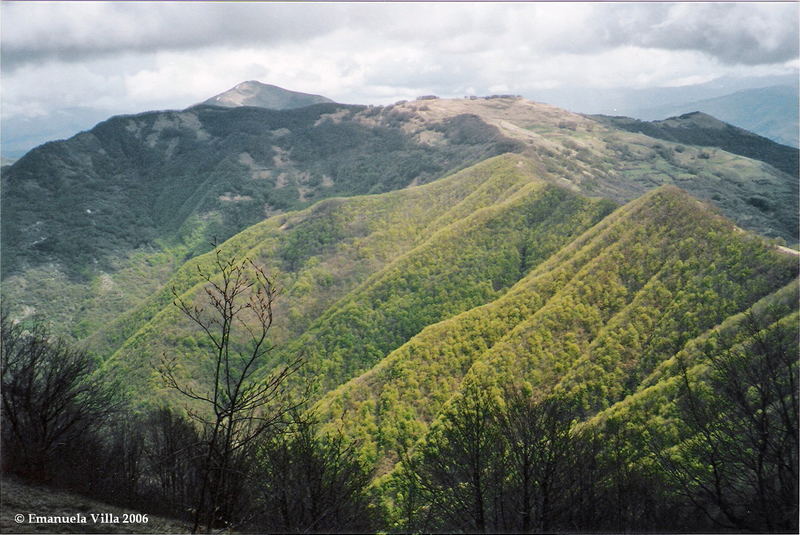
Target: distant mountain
[[253, 93], [699, 128], [21, 134], [628, 101], [771, 112]]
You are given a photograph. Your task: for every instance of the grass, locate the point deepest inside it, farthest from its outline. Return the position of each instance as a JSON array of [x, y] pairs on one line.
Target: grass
[[22, 498]]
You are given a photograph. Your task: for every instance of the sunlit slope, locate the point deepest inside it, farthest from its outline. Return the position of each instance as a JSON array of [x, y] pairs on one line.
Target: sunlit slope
[[600, 158], [363, 275], [95, 224], [595, 319], [651, 404]]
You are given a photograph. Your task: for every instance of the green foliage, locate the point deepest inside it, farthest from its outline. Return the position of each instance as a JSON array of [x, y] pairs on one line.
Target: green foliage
[[471, 237], [593, 321], [469, 263], [170, 183]]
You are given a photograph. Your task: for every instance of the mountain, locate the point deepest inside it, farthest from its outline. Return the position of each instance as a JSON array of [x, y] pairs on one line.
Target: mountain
[[22, 134], [699, 128], [490, 275], [120, 208], [597, 320], [253, 93], [771, 112], [134, 179], [363, 275], [677, 100], [434, 257]]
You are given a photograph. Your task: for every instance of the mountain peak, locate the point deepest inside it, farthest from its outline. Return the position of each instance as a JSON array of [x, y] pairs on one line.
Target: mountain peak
[[694, 119], [261, 95]]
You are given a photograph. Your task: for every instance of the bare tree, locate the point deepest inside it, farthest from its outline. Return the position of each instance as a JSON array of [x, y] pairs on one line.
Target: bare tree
[[738, 460], [239, 403], [312, 482], [51, 395], [539, 441], [172, 448], [459, 472]]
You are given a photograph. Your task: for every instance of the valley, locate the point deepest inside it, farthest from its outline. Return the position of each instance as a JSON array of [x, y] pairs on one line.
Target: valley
[[439, 264]]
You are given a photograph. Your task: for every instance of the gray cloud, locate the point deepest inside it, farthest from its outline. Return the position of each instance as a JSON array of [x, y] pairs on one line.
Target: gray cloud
[[749, 34], [736, 33], [37, 32], [732, 33]]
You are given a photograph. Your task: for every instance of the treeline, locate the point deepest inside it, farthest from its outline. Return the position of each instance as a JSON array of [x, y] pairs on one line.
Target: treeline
[[717, 451], [65, 426], [512, 461], [499, 460]]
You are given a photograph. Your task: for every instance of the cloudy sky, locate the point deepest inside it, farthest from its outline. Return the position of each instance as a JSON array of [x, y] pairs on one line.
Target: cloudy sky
[[124, 57]]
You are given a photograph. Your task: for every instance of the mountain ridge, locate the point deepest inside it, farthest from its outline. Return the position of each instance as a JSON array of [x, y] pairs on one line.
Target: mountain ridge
[[453, 275], [515, 338], [699, 128], [769, 111], [119, 208]]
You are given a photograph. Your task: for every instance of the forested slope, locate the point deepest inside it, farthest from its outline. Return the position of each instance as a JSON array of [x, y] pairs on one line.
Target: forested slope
[[490, 277], [593, 321], [362, 275], [96, 224]]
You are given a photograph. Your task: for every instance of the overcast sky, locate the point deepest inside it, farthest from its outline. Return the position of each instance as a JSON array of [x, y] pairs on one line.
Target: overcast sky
[[136, 56]]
